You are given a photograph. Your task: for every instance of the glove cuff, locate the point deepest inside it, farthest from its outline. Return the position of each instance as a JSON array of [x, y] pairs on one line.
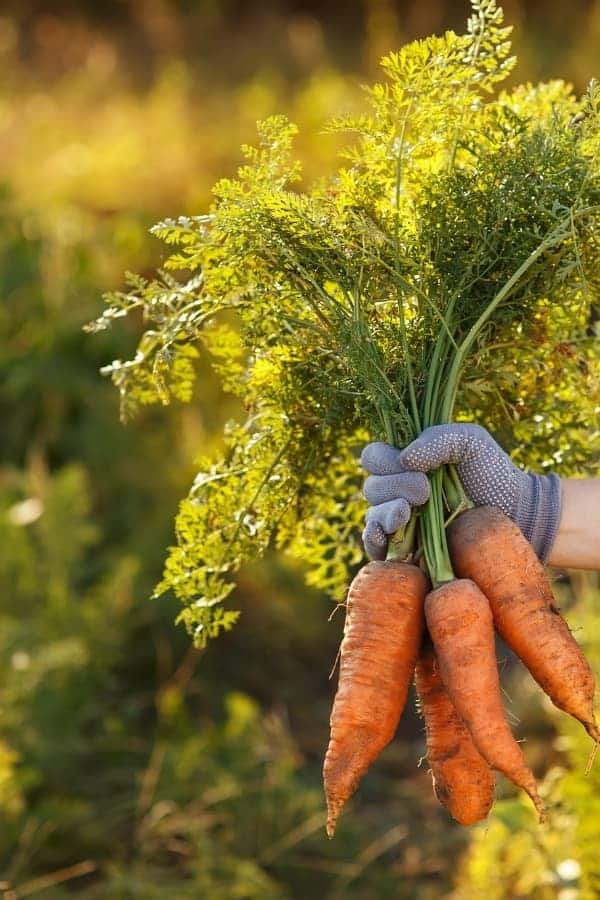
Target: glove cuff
[[538, 513]]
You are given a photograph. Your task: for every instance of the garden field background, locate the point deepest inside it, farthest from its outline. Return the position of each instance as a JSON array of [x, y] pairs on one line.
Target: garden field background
[[131, 764]]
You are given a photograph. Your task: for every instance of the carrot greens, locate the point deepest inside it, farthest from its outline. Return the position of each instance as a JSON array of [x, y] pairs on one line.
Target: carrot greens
[[447, 270]]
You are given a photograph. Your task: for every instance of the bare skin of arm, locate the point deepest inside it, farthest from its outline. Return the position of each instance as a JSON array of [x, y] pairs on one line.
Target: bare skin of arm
[[577, 544]]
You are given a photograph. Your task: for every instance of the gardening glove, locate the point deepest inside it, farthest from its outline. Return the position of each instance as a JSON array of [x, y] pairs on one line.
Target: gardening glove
[[487, 474]]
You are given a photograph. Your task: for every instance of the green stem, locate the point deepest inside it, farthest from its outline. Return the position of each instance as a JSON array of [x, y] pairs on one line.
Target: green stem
[[451, 496], [390, 431], [435, 381], [401, 544], [459, 357], [433, 389], [434, 537], [440, 410], [457, 512], [403, 538], [437, 556], [456, 492], [430, 386], [403, 338]]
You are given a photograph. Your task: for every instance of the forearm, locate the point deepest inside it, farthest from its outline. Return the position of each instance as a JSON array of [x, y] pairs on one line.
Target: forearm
[[577, 544]]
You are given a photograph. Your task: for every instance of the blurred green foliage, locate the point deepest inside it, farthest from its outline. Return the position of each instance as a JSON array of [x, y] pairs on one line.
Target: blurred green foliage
[[130, 765]]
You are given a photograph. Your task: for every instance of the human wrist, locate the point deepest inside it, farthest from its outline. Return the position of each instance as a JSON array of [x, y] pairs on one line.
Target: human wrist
[[538, 512], [577, 544]]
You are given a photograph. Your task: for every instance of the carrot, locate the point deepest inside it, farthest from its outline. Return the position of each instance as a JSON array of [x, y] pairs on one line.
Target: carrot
[[462, 780], [382, 634], [487, 547], [461, 626]]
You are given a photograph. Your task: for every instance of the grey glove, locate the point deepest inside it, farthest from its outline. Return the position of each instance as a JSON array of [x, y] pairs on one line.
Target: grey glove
[[487, 474]]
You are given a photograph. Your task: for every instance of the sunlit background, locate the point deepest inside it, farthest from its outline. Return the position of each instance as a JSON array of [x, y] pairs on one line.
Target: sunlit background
[[132, 766]]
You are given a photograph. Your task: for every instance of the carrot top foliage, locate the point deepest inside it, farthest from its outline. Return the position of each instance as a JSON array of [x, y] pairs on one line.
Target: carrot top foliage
[[461, 232]]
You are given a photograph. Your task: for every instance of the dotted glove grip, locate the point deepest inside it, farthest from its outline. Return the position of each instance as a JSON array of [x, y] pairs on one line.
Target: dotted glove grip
[[487, 474]]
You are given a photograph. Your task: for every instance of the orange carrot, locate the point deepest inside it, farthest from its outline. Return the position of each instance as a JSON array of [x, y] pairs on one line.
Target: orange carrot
[[487, 547], [462, 780], [461, 626], [382, 634]]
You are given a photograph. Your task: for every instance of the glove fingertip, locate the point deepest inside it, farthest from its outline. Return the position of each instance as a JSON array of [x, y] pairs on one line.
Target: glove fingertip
[[375, 541], [379, 458], [368, 452]]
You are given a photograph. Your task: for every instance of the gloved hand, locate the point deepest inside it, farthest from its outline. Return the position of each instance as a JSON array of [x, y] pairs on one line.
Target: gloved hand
[[487, 474]]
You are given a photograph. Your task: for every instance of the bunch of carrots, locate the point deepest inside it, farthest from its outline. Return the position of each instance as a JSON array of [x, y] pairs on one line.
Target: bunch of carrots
[[436, 621], [374, 304], [397, 629]]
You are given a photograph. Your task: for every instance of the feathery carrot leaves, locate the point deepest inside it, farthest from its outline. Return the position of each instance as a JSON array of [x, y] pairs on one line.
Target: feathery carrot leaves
[[460, 235]]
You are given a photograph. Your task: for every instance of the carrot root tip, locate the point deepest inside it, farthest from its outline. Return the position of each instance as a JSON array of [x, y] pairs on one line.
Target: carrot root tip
[[334, 808], [591, 759], [540, 809]]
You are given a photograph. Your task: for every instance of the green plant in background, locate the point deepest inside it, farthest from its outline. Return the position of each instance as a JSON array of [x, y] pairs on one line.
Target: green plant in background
[[375, 304]]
